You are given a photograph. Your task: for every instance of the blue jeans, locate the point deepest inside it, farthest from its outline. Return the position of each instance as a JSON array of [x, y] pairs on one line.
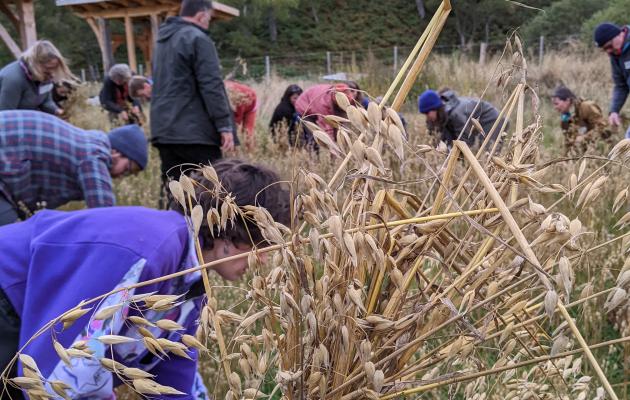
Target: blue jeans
[[9, 342], [8, 213], [628, 133]]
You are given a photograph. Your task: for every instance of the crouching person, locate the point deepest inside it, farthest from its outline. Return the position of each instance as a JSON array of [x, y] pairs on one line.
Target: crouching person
[[449, 115], [582, 121], [56, 259], [46, 163]]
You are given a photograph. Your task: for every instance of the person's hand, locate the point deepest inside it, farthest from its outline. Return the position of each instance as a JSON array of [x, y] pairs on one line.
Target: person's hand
[[614, 119], [227, 141], [59, 112], [124, 116], [136, 110]]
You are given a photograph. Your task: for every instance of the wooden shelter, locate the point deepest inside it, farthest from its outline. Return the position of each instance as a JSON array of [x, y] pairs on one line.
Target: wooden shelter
[[141, 18], [21, 14]]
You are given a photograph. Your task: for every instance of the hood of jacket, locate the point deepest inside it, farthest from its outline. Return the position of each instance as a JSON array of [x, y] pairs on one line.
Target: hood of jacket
[[172, 26]]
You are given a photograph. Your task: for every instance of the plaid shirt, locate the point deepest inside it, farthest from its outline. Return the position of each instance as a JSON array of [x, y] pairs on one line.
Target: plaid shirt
[[44, 159]]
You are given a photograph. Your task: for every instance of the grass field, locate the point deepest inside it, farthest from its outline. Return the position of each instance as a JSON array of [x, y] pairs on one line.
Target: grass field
[[587, 74]]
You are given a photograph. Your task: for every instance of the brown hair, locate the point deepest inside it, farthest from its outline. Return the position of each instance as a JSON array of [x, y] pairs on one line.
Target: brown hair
[[248, 184], [136, 83], [42, 52]]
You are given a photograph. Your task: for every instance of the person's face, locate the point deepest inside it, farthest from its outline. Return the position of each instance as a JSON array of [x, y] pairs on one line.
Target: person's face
[[294, 98], [145, 92], [614, 45], [230, 270], [122, 166], [561, 106], [49, 68], [432, 116]]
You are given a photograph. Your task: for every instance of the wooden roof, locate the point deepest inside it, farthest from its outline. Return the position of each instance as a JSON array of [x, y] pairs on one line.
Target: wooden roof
[[137, 8]]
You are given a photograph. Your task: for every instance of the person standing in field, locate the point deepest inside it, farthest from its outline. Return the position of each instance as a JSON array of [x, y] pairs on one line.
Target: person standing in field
[[244, 104], [57, 259], [615, 41], [28, 83], [582, 121], [284, 118], [116, 99], [46, 162], [191, 120], [448, 115]]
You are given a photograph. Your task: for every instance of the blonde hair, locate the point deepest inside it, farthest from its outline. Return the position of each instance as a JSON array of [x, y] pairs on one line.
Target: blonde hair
[[42, 52]]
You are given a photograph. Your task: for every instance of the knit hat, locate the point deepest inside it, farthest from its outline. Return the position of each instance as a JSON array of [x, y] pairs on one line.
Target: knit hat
[[130, 141], [605, 32], [428, 101], [563, 93]]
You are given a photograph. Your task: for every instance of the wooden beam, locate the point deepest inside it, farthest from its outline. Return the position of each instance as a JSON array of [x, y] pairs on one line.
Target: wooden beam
[[131, 44], [155, 26], [27, 12], [144, 11], [11, 15], [8, 40], [106, 50]]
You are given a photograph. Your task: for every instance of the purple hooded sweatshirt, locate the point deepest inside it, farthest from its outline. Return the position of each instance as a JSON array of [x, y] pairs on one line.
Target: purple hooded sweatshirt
[[54, 260]]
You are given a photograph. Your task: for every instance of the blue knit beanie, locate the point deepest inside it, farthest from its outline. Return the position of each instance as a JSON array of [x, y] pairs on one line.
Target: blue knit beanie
[[130, 141], [605, 32], [429, 101]]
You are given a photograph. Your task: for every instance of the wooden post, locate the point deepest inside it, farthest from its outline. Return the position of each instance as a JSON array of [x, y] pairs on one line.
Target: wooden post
[[155, 25], [328, 63], [267, 69], [106, 46], [82, 74], [28, 31], [131, 44], [541, 50], [395, 60], [8, 40], [483, 47]]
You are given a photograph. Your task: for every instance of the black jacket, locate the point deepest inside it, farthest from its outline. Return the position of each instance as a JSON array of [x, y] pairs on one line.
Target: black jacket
[[189, 104], [285, 115], [113, 96]]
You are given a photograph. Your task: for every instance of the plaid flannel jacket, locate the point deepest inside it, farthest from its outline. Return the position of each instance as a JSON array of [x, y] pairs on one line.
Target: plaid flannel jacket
[[46, 162]]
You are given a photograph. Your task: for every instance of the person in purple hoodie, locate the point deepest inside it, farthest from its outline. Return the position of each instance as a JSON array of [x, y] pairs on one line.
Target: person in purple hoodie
[[56, 259]]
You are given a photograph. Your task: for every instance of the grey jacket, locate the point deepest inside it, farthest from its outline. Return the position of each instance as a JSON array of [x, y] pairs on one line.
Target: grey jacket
[[621, 75], [189, 104], [19, 92], [458, 110]]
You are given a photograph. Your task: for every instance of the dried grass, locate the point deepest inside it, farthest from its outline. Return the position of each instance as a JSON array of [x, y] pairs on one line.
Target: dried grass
[[415, 270]]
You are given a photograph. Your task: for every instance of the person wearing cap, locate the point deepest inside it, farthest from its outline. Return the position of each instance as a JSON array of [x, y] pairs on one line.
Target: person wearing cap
[[284, 116], [582, 121], [449, 116], [615, 41], [46, 162], [319, 101]]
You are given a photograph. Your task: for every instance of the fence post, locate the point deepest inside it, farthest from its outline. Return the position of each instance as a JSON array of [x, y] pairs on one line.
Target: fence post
[[328, 63], [395, 60], [82, 74], [267, 69], [483, 47], [541, 49], [141, 70]]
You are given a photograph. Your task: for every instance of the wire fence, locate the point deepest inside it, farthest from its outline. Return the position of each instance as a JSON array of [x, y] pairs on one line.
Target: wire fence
[[325, 63]]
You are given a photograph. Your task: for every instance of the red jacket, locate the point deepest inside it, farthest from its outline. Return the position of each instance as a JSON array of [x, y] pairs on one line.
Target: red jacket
[[318, 100]]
